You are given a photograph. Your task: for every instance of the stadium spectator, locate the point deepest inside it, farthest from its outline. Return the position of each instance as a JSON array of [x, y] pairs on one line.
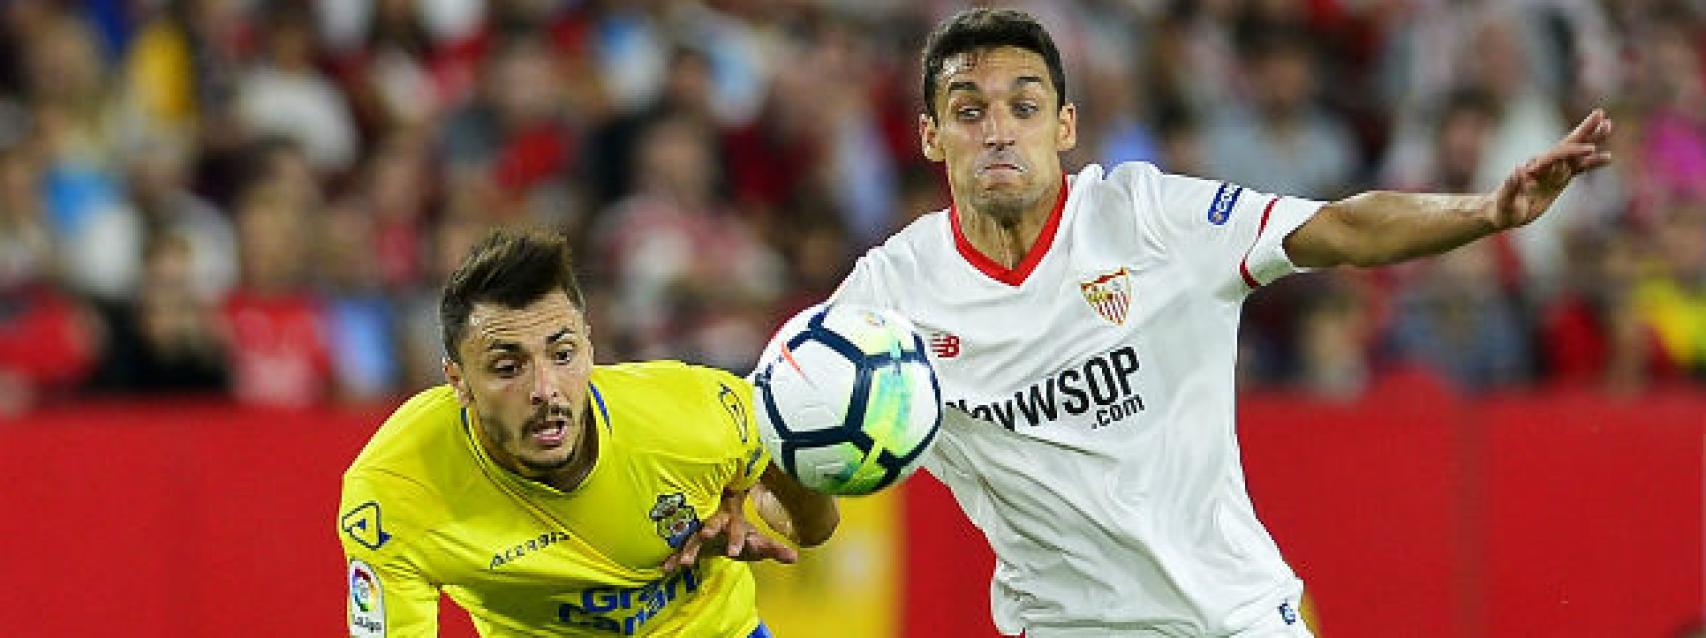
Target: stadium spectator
[[1672, 296], [157, 119], [165, 340], [49, 340], [688, 267], [358, 318], [1276, 138], [288, 95], [278, 346]]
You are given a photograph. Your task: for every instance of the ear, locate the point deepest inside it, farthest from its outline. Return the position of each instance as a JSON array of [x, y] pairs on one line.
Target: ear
[[453, 375], [1067, 137], [930, 138]]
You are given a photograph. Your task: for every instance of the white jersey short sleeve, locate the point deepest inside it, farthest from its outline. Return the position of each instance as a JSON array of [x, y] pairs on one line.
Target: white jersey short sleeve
[[1092, 435], [1216, 225]]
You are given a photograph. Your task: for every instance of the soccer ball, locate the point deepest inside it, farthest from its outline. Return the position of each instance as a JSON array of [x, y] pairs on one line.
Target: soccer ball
[[847, 399]]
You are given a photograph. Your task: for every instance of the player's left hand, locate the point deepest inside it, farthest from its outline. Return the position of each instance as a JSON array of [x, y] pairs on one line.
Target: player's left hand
[[1532, 187], [729, 533]]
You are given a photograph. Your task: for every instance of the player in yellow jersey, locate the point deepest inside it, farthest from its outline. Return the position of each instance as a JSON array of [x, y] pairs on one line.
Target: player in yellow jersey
[[547, 495]]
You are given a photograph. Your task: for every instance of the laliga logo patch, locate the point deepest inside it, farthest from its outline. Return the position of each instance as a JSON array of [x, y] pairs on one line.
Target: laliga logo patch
[[1221, 209], [362, 524], [675, 519], [1109, 294], [367, 602]]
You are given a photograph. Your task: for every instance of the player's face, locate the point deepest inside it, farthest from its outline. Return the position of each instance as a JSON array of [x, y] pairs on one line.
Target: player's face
[[524, 375], [1000, 128]]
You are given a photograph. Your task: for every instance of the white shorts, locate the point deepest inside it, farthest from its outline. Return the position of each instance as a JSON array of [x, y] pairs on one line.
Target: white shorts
[[1286, 621]]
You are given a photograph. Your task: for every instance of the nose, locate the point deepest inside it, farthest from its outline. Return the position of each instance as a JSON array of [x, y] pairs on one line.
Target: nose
[[544, 389], [999, 129]]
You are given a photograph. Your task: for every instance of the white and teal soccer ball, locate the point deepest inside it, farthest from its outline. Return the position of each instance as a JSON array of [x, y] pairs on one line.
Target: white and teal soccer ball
[[847, 401]]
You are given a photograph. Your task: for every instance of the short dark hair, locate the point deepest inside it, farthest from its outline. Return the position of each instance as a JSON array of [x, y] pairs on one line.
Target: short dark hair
[[510, 266], [975, 29]]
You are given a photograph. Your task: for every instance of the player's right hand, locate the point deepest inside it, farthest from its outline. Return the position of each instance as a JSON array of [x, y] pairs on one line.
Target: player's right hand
[[729, 533], [1531, 188]]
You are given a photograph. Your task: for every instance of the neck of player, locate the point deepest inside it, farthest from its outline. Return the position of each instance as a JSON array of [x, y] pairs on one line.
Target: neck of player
[[565, 478], [1008, 240], [570, 476]]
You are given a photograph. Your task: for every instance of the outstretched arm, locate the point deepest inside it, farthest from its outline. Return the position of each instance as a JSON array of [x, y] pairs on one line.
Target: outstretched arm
[[1383, 227], [804, 516]]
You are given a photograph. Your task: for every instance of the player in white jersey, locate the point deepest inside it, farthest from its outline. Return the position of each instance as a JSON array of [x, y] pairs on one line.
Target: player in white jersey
[[1086, 326]]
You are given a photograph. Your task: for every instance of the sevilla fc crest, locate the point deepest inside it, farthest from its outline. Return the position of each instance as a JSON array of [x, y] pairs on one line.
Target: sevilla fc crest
[[1109, 294]]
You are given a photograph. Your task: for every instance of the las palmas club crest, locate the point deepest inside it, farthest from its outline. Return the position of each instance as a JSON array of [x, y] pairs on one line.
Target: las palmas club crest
[[1109, 294], [675, 519]]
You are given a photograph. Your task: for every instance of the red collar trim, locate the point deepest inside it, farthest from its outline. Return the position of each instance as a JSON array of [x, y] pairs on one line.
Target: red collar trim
[[1016, 275]]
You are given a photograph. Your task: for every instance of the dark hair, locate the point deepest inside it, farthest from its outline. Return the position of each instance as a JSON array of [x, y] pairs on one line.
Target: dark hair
[[975, 29], [510, 266]]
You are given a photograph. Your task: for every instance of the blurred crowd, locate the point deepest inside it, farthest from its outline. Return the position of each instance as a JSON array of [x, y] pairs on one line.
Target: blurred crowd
[[258, 199]]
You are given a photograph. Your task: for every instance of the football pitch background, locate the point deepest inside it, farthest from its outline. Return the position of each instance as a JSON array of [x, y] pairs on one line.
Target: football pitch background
[[1407, 513]]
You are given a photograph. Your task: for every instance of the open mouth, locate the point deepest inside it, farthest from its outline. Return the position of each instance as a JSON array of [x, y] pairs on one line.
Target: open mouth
[[550, 433]]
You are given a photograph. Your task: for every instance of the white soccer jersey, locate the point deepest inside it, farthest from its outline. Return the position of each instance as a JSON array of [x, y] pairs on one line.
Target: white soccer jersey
[[1102, 464]]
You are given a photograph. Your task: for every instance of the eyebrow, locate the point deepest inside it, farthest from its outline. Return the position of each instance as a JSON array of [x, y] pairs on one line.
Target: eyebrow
[[511, 346], [962, 85], [968, 85]]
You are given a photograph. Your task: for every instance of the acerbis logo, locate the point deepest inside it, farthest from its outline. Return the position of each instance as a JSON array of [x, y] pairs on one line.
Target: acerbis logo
[[362, 525]]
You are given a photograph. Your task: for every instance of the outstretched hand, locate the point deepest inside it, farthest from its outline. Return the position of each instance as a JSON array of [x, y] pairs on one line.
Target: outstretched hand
[[1532, 187], [727, 532]]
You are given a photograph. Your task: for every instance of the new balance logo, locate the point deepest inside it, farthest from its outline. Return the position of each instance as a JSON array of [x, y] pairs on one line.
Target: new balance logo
[[944, 345]]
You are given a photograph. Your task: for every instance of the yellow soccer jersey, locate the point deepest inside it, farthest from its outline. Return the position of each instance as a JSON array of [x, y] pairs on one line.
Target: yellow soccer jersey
[[425, 509]]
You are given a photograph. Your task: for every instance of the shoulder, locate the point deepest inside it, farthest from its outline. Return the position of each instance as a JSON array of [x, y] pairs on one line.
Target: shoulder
[[671, 381], [394, 490], [685, 406], [409, 448], [420, 421], [1137, 180], [1152, 192], [921, 237], [920, 246], [662, 376]]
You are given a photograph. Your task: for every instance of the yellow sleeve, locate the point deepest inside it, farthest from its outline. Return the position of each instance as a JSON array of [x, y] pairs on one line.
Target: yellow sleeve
[[750, 458], [389, 594]]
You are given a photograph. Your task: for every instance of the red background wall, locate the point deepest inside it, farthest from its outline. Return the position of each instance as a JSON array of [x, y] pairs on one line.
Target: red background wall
[[1407, 514]]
